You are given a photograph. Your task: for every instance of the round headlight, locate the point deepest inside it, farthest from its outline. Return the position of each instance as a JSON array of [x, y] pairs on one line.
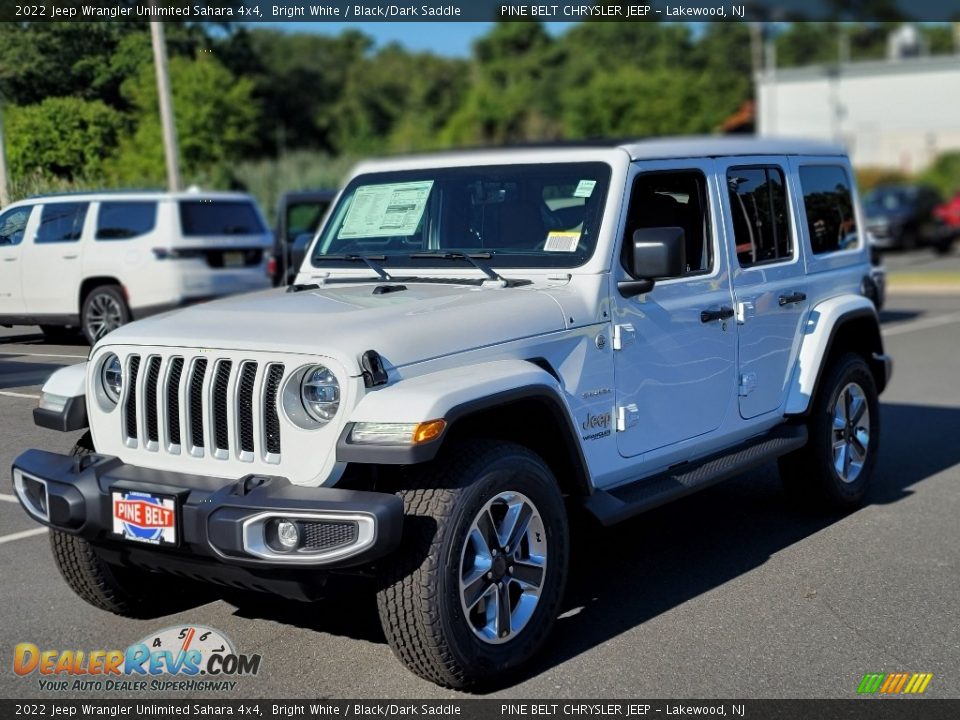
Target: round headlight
[[111, 378], [320, 393]]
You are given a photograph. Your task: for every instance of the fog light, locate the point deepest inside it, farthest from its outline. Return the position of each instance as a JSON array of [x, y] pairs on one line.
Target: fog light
[[288, 535]]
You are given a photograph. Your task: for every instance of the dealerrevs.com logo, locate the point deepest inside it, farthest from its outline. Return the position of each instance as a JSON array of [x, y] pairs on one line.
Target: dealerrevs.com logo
[[180, 658]]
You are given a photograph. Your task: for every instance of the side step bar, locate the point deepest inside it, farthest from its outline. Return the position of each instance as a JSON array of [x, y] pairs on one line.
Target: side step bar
[[625, 501]]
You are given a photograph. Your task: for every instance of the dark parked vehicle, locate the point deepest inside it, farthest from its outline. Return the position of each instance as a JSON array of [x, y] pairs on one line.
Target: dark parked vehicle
[[298, 213], [901, 216]]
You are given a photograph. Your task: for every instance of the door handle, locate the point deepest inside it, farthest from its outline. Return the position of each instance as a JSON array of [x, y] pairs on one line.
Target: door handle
[[70, 257], [10, 259], [724, 313], [792, 298]]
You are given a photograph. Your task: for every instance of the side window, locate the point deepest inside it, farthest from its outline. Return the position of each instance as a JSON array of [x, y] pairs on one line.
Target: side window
[[828, 202], [13, 223], [674, 199], [61, 222], [124, 220], [760, 214]]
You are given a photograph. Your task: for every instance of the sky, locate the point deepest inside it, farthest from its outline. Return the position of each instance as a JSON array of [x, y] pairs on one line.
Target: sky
[[449, 38]]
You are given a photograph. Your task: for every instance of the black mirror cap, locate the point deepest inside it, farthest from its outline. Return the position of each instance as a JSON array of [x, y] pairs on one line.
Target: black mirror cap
[[659, 253]]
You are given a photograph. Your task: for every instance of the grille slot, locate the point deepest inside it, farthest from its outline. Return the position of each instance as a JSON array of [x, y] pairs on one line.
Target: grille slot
[[150, 398], [271, 422], [132, 397], [196, 403], [248, 374], [205, 406], [328, 535], [220, 380], [173, 400]]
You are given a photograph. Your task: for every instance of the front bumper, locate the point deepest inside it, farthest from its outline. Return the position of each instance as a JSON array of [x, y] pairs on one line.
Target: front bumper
[[217, 518]]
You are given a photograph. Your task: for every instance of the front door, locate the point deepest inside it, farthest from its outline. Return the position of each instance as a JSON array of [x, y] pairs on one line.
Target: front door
[[769, 281], [674, 347], [52, 260], [13, 229]]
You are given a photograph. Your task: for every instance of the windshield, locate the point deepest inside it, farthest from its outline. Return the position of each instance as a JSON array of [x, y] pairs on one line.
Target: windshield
[[545, 215], [886, 200]]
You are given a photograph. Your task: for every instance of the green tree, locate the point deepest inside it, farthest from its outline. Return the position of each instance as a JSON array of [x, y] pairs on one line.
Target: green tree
[[513, 89], [298, 79], [398, 101], [944, 174], [630, 102], [216, 120], [66, 137]]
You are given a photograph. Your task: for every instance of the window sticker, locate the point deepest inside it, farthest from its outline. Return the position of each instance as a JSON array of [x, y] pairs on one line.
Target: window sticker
[[585, 188], [562, 241], [386, 210]]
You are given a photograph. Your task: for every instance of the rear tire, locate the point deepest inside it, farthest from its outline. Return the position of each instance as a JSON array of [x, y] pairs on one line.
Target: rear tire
[[471, 594], [834, 469], [120, 590], [104, 310]]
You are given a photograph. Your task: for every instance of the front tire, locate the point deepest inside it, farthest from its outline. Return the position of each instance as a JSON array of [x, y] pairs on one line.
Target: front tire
[[835, 468], [119, 590], [104, 310], [477, 584]]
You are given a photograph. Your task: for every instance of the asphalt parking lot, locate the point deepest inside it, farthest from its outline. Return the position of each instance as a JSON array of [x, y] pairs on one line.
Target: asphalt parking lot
[[729, 593]]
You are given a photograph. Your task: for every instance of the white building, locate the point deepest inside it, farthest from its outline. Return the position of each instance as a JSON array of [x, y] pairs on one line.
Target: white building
[[891, 114]]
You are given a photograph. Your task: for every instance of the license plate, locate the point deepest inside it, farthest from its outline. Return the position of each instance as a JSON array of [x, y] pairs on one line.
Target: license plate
[[144, 517], [234, 259]]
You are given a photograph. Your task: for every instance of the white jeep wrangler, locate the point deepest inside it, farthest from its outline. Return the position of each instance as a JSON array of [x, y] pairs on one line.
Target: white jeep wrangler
[[477, 343]]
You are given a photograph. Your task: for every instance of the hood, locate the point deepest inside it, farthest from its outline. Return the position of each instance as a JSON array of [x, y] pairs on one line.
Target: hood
[[425, 321]]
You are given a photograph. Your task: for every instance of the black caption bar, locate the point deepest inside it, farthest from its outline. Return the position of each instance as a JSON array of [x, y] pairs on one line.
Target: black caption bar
[[855, 709], [364, 11]]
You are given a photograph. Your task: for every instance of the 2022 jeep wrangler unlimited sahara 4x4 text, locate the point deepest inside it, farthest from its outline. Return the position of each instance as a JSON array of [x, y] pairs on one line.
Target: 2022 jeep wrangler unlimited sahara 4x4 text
[[476, 343]]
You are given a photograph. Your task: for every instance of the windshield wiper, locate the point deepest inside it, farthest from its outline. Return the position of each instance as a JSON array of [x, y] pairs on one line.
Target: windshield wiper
[[371, 261], [472, 258]]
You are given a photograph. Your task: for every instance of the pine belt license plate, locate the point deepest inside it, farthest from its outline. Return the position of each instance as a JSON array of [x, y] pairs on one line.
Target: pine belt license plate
[[144, 517]]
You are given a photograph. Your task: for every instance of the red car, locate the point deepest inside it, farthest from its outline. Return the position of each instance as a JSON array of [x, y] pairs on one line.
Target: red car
[[949, 212]]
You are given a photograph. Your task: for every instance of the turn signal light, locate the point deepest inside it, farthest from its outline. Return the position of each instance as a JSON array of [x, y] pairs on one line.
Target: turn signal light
[[429, 430]]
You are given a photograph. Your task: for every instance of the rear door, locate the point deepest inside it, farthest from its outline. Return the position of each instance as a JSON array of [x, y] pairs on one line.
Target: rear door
[[13, 231], [769, 280], [52, 266]]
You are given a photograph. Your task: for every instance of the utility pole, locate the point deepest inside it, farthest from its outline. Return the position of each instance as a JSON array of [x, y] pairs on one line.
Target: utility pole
[[170, 149], [4, 193]]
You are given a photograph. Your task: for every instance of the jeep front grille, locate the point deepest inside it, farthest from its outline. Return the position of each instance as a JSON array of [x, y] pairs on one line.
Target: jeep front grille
[[207, 407]]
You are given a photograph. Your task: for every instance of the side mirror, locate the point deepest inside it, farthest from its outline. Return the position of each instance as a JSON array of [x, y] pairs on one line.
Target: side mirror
[[654, 254]]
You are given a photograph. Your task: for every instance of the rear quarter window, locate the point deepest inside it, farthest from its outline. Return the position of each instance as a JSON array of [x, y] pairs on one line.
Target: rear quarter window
[[125, 220], [219, 217], [828, 203]]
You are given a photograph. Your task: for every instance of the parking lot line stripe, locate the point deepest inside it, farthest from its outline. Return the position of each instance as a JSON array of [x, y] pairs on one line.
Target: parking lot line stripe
[[9, 393], [8, 498], [21, 535], [924, 324], [30, 354]]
